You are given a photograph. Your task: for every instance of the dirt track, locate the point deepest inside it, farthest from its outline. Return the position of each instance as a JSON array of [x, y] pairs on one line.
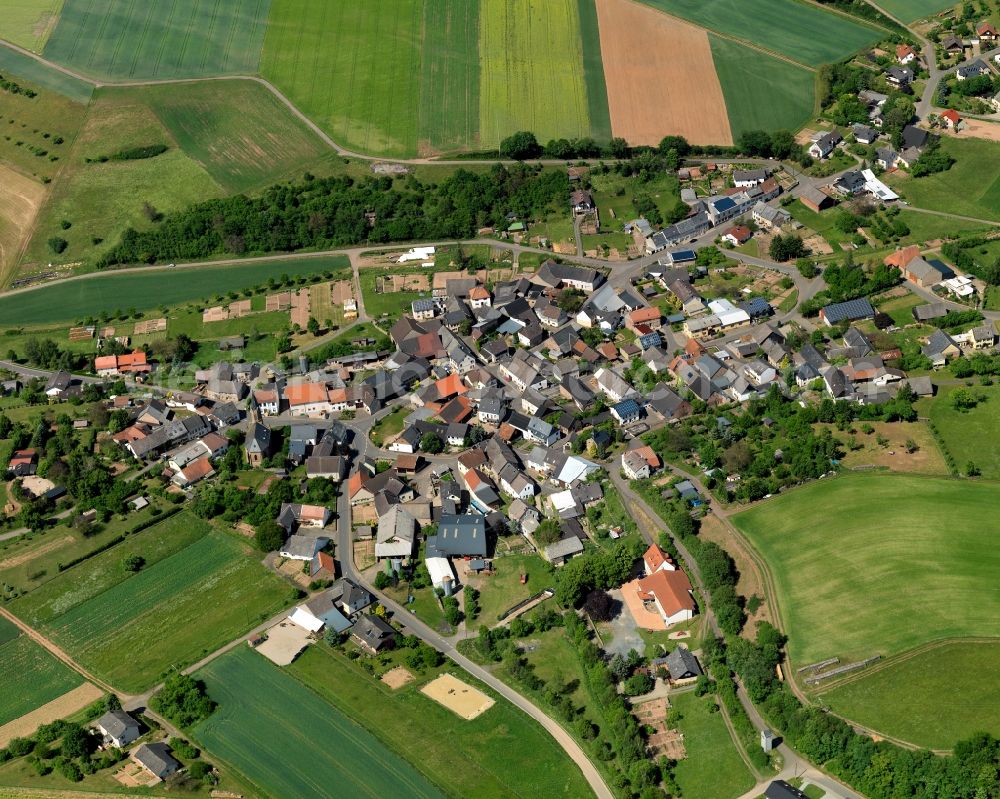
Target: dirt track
[[660, 76]]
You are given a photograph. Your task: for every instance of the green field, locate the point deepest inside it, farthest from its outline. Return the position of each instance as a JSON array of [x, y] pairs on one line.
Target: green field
[[879, 564], [243, 136], [449, 82], [289, 742], [972, 435], [198, 590], [918, 701], [532, 72], [713, 768], [354, 72], [30, 677], [459, 755], [762, 92], [593, 72], [177, 39], [18, 65], [102, 200], [801, 31], [153, 288], [28, 23], [910, 10], [970, 188]]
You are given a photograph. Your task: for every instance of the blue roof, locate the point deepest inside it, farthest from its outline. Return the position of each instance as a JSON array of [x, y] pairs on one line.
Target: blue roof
[[724, 203], [626, 408], [758, 306], [682, 255], [852, 309], [650, 340]]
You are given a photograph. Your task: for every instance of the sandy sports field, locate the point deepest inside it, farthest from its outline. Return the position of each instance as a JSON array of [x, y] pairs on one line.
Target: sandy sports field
[[979, 129], [59, 708], [661, 77], [397, 677], [459, 697]]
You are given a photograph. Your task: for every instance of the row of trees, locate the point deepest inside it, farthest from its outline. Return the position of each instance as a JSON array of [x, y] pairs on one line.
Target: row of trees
[[339, 211]]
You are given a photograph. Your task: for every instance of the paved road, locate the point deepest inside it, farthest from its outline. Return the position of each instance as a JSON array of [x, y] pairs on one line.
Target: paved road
[[418, 628]]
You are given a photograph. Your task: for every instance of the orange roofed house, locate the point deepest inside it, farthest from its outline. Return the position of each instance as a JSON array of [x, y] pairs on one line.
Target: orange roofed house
[[650, 317], [133, 363], [663, 597]]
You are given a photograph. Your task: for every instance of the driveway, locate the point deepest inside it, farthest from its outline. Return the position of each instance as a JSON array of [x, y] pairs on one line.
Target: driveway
[[624, 634]]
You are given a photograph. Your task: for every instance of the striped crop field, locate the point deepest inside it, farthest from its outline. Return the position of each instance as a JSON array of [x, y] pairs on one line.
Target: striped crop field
[[532, 75], [30, 677], [161, 39], [449, 84], [354, 69], [198, 590], [289, 742]]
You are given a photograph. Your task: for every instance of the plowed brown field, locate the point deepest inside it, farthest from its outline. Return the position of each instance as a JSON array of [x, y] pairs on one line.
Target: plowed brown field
[[660, 76]]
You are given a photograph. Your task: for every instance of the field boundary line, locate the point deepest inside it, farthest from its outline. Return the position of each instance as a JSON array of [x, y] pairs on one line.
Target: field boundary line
[[745, 42], [866, 23]]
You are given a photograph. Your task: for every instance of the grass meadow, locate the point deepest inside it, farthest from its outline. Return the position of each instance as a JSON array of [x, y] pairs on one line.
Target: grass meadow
[[970, 188], [800, 31], [911, 10], [289, 742], [762, 92], [354, 71], [238, 131], [532, 72], [153, 288], [880, 564], [17, 65], [713, 768], [904, 698], [28, 23], [198, 590], [176, 39], [102, 200], [31, 127], [30, 676], [449, 81], [459, 755], [972, 435]]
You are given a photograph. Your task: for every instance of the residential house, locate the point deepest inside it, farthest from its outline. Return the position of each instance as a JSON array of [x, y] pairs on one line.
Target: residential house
[[770, 217], [133, 363], [682, 665], [156, 759], [660, 600], [940, 347], [745, 178], [951, 119], [556, 275], [779, 789], [973, 70], [905, 54], [823, 143], [293, 516], [654, 559], [639, 463], [627, 412], [899, 77], [613, 385], [58, 385], [737, 235], [851, 311], [118, 728], [373, 634]]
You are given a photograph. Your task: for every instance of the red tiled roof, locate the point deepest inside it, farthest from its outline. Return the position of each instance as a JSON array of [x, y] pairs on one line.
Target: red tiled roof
[[305, 393], [902, 257], [672, 591]]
